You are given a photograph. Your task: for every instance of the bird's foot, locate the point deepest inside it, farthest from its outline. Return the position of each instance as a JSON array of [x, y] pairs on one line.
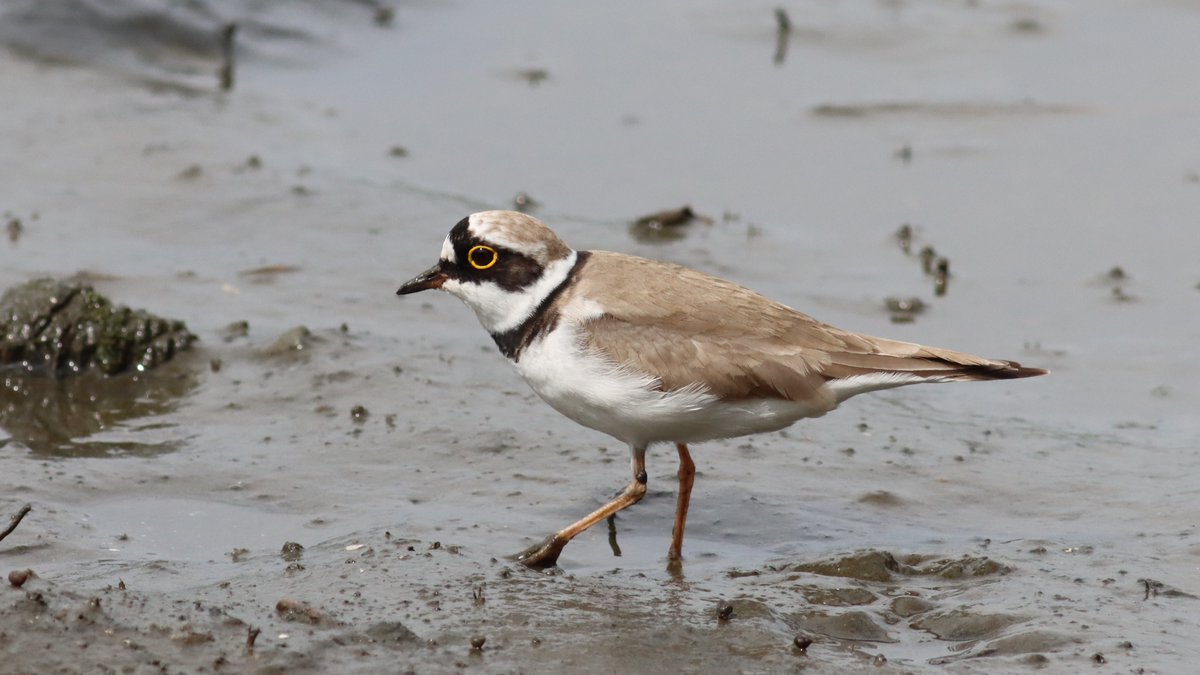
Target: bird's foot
[[543, 555], [675, 569]]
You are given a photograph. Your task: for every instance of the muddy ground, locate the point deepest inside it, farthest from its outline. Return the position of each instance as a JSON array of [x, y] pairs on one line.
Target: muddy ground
[[1047, 150]]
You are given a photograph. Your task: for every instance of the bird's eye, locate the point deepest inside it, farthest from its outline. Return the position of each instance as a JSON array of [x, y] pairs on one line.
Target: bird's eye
[[482, 257]]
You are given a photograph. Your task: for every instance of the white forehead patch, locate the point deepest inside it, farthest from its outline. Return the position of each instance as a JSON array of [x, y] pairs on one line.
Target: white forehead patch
[[448, 251], [487, 227]]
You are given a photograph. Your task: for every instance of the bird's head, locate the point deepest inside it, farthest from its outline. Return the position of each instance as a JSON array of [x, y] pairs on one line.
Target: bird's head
[[502, 264]]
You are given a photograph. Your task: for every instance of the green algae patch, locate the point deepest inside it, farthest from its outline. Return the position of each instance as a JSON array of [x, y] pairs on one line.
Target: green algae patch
[[63, 328]]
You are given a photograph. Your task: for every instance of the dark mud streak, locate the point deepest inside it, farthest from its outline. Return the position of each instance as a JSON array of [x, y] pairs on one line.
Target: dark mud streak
[[543, 319]]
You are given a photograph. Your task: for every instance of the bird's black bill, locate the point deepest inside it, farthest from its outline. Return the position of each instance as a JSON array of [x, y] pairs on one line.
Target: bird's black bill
[[433, 277]]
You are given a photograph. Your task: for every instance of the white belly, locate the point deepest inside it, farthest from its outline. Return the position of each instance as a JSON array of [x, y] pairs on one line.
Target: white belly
[[598, 394]]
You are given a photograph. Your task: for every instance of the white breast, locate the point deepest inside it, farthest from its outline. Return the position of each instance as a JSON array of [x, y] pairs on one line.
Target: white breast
[[593, 391]]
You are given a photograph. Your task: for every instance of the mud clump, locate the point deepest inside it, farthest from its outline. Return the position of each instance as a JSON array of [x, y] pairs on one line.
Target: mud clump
[[963, 568], [62, 328], [291, 551], [1027, 643], [855, 625], [391, 633], [907, 605], [295, 340], [961, 625], [881, 498], [883, 566], [864, 566], [904, 310], [665, 226], [838, 597], [296, 611]]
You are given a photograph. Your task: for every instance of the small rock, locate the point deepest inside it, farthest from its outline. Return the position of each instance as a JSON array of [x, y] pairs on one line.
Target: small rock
[[18, 577]]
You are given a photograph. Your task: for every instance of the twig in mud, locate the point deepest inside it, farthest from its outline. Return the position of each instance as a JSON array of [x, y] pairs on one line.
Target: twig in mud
[[612, 535], [782, 20], [783, 29], [228, 33], [16, 520], [251, 636]]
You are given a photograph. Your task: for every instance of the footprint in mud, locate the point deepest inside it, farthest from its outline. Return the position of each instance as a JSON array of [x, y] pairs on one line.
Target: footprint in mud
[[876, 597]]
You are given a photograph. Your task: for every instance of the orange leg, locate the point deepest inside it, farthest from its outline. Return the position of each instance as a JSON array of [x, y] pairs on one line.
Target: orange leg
[[546, 553], [687, 476]]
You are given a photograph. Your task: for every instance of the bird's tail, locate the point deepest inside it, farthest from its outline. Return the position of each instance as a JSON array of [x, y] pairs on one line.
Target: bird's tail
[[892, 363]]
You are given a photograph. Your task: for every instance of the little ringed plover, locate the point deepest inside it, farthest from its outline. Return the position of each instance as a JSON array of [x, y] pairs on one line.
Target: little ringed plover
[[649, 352]]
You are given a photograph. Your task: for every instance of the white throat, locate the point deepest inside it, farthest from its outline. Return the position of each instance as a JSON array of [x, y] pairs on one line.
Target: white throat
[[500, 310]]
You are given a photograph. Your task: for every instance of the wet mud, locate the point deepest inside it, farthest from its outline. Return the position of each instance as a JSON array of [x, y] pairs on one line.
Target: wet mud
[[335, 480]]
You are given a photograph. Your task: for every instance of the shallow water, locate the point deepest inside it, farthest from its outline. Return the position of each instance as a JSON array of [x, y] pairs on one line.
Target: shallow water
[[1037, 146]]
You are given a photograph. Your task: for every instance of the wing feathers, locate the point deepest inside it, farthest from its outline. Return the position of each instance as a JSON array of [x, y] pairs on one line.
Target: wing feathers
[[739, 344]]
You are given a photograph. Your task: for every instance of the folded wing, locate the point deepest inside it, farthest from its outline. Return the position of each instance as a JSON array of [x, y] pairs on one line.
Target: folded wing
[[686, 328]]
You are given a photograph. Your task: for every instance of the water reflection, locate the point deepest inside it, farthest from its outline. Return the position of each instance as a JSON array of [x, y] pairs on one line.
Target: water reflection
[[58, 417]]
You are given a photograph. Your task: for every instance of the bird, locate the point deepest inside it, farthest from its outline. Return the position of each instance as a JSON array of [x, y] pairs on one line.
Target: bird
[[653, 352]]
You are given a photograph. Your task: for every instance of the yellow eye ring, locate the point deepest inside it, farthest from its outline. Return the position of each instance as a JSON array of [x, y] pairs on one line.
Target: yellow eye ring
[[485, 250]]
